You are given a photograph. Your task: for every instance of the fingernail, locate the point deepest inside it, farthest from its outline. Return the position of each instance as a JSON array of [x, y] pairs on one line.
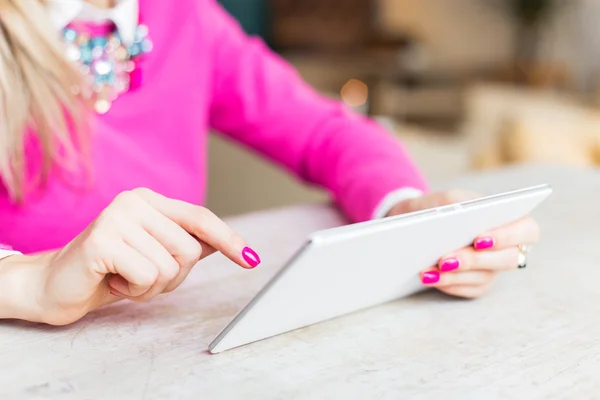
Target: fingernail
[[484, 243], [251, 257], [449, 264], [430, 277]]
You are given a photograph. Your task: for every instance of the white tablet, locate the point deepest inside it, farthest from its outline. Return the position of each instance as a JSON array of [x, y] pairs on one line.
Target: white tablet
[[346, 269]]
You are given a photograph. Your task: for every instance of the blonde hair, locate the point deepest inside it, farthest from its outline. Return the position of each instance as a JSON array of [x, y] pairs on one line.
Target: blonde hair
[[38, 87]]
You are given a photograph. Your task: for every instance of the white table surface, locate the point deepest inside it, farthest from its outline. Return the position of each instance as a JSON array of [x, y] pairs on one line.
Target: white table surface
[[536, 335]]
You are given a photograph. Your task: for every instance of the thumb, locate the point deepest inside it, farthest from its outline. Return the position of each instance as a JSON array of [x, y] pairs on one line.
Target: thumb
[[73, 280]]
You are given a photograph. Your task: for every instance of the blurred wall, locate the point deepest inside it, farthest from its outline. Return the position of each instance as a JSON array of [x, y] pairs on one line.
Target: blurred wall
[[460, 35], [240, 182], [573, 38], [463, 35]]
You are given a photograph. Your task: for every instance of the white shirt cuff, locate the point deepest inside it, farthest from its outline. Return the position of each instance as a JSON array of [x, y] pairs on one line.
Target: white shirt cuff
[[6, 251], [389, 201]]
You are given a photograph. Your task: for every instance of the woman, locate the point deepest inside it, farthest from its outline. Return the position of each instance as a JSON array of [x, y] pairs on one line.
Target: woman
[[102, 153]]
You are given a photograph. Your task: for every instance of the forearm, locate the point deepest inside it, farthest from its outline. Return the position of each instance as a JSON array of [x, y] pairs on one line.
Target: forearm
[[262, 102], [20, 289], [361, 164]]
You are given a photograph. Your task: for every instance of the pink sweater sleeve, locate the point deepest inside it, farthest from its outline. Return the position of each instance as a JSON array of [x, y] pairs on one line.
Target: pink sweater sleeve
[[260, 101]]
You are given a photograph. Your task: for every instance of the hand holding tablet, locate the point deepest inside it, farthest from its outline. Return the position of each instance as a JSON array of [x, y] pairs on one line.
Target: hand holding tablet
[[468, 272], [349, 268]]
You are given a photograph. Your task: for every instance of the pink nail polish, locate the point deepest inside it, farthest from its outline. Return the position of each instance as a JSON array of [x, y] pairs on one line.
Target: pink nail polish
[[430, 277], [250, 257], [449, 264], [484, 243]]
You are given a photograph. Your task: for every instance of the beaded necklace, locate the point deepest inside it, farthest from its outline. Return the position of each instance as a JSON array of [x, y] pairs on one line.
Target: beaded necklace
[[108, 65]]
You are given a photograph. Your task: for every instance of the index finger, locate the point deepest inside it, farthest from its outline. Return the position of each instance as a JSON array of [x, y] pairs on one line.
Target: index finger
[[205, 225]]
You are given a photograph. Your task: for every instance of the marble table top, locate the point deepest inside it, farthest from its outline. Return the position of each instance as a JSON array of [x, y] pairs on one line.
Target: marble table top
[[536, 335]]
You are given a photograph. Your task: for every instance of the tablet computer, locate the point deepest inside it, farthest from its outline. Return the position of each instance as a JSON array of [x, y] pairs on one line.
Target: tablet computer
[[353, 267]]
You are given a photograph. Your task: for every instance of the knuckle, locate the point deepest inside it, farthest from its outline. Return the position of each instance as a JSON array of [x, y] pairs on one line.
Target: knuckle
[[95, 241], [204, 210], [146, 279], [124, 205], [170, 271], [203, 215], [110, 224], [142, 191], [191, 253], [110, 219], [457, 195], [207, 223], [448, 197], [126, 198], [467, 260], [127, 204], [447, 279]]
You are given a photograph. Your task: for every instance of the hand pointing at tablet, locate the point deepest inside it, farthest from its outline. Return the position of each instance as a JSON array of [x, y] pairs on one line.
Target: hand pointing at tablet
[[469, 272], [143, 244]]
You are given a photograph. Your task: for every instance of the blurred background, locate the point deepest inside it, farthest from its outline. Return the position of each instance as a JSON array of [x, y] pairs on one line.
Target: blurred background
[[467, 85]]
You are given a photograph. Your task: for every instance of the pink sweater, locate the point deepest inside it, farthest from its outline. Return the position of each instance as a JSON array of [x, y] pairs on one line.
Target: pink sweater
[[204, 73]]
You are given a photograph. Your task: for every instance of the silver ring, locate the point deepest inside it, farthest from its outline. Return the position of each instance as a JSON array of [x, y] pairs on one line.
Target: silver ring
[[523, 251]]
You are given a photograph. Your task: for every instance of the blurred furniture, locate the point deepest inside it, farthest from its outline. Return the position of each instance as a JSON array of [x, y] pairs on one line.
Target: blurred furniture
[[530, 19], [322, 24], [507, 125], [233, 170], [538, 75], [333, 41], [533, 336]]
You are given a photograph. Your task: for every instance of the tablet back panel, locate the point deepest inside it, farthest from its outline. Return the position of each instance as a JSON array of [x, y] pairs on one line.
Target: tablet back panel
[[350, 268]]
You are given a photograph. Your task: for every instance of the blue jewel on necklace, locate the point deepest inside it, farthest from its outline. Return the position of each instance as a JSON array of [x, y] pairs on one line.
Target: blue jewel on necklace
[[69, 34], [106, 62], [98, 42]]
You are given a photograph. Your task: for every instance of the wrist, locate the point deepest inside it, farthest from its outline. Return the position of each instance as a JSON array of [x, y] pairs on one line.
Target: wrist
[[21, 287], [389, 205], [401, 207]]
